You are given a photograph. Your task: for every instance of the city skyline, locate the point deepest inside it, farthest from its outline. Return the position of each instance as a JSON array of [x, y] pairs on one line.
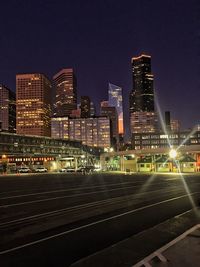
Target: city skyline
[[97, 57]]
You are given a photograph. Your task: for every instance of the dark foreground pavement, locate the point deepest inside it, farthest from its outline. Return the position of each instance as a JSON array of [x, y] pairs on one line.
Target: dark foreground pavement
[[134, 249], [57, 220]]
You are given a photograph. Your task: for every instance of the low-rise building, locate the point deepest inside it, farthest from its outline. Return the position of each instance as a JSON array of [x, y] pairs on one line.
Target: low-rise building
[[159, 140], [91, 131]]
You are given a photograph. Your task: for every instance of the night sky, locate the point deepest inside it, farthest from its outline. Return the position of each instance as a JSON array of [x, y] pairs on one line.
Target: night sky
[[98, 38]]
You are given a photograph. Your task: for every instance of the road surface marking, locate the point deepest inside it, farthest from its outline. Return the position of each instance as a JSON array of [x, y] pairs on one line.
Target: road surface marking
[[89, 204], [91, 224], [76, 195]]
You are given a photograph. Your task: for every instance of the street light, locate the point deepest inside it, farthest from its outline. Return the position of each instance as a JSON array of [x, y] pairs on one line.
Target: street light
[[173, 153]]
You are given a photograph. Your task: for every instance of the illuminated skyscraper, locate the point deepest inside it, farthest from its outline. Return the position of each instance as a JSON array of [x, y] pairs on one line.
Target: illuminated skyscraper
[[64, 86], [142, 114], [33, 104], [7, 109], [115, 100], [111, 113]]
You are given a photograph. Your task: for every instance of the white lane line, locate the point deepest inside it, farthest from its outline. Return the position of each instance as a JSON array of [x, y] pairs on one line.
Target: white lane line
[[82, 206], [74, 195], [76, 188], [66, 190], [94, 223]]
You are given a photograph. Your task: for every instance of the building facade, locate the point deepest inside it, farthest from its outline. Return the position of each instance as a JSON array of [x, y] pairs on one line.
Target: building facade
[[65, 90], [142, 94], [160, 140], [111, 113], [85, 106], [115, 100], [93, 132], [143, 122], [92, 110], [175, 125], [19, 150], [33, 104], [60, 127], [7, 109]]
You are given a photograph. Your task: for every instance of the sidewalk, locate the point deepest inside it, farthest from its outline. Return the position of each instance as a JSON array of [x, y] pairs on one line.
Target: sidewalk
[[184, 253]]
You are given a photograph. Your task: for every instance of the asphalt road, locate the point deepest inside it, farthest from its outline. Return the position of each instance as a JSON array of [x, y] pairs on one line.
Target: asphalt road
[[57, 219]]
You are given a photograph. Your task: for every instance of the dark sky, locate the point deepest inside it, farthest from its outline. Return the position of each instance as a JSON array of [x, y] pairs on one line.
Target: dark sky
[[98, 38]]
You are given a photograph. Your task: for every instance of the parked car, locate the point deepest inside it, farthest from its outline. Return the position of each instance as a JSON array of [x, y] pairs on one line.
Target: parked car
[[24, 170], [67, 170], [40, 169], [63, 170]]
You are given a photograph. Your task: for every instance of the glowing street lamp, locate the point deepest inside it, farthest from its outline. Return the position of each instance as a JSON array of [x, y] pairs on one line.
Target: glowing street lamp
[[173, 153]]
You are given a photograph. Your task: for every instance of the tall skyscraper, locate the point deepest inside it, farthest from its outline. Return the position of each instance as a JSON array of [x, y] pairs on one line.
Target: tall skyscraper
[[64, 86], [167, 121], [111, 113], [7, 109], [115, 100], [85, 106], [142, 114], [33, 104]]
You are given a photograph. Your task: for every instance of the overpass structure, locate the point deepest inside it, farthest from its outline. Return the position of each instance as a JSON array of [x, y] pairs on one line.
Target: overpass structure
[[185, 159], [51, 152]]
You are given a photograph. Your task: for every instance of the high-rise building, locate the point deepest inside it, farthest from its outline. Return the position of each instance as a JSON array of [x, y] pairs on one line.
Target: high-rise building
[[33, 104], [7, 109], [85, 106], [60, 128], [143, 122], [167, 121], [64, 86], [91, 131], [111, 113], [92, 110], [142, 96], [115, 100], [175, 125]]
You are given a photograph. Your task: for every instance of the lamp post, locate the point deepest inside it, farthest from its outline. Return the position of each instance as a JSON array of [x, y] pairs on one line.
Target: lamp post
[[173, 154], [4, 162]]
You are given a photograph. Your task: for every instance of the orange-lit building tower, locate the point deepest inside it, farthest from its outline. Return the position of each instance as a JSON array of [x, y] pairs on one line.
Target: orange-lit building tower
[[115, 100], [33, 104], [64, 86]]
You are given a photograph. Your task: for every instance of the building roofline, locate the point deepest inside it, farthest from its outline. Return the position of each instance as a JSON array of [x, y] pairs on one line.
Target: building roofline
[[34, 73], [142, 55], [64, 70]]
